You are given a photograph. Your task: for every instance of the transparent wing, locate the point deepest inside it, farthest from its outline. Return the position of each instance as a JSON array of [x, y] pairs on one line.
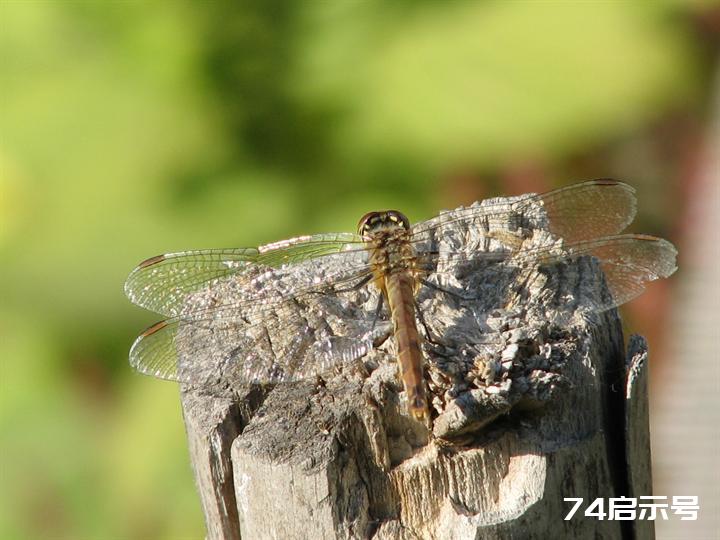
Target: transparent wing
[[260, 290], [163, 283], [290, 343], [629, 262], [255, 320], [577, 212]]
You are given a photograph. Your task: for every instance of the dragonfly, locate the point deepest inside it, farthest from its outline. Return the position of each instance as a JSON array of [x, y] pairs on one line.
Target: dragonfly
[[293, 310]]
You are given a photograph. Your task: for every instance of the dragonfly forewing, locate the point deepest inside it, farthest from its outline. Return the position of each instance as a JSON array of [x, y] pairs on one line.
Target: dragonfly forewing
[[577, 212], [162, 284]]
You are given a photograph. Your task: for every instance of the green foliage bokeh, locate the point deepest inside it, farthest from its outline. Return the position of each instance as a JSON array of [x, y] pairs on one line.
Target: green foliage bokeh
[[135, 128]]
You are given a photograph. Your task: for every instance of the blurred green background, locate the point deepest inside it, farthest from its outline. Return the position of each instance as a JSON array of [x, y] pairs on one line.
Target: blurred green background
[[130, 129]]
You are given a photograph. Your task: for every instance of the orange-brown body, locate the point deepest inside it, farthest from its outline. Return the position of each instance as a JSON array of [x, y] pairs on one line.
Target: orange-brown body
[[399, 289], [393, 261]]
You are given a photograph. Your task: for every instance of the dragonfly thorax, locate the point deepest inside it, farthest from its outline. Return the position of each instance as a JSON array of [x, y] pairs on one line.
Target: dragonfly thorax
[[387, 233]]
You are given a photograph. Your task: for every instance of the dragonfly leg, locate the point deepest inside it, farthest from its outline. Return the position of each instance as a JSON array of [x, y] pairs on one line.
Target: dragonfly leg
[[377, 312], [428, 334], [364, 281], [443, 290]]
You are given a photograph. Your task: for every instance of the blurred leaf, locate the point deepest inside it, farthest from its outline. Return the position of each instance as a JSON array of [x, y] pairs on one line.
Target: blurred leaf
[[481, 81]]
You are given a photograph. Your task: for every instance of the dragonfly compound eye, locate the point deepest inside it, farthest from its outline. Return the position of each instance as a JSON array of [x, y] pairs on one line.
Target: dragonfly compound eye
[[399, 218], [370, 221], [373, 221]]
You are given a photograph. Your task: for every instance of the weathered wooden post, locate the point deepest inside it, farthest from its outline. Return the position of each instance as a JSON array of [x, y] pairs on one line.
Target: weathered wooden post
[[340, 461], [550, 407]]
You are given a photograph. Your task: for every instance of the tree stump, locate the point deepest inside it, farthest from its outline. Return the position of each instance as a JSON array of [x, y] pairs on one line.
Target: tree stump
[[532, 399]]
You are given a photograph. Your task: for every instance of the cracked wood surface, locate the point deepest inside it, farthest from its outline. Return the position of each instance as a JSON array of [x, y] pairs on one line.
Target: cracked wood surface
[[340, 459], [328, 462]]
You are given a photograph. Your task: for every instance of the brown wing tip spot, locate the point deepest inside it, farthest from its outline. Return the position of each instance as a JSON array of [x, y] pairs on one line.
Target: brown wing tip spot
[[152, 260], [154, 328], [607, 182], [646, 237]]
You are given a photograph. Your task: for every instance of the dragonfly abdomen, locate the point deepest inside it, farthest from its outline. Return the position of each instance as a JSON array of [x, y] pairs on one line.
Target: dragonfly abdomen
[[399, 288]]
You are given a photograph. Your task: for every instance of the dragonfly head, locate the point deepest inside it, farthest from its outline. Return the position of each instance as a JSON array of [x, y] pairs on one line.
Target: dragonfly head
[[374, 222]]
